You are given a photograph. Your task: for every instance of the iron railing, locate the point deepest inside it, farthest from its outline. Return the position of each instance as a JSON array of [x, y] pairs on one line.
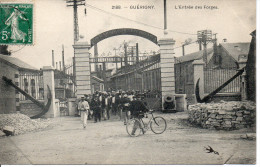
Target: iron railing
[[213, 78]]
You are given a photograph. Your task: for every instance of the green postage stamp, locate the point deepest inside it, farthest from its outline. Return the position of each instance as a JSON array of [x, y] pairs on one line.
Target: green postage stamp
[[16, 23]]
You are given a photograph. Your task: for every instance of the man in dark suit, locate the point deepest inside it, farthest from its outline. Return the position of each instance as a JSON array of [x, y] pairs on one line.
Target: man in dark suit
[[137, 109], [95, 106]]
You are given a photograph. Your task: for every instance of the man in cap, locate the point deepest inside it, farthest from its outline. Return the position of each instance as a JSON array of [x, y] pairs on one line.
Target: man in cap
[[137, 109], [95, 106]]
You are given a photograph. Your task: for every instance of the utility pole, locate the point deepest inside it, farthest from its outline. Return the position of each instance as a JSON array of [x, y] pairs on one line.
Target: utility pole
[[104, 76], [121, 59], [75, 4], [125, 47], [165, 15], [115, 57], [200, 47], [205, 36], [137, 53], [96, 57]]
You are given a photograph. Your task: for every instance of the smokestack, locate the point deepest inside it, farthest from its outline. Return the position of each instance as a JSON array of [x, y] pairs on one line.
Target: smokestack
[[183, 50], [63, 61], [215, 46], [57, 65], [60, 65], [53, 63]]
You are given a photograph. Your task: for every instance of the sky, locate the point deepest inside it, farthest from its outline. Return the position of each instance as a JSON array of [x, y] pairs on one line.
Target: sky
[[53, 25]]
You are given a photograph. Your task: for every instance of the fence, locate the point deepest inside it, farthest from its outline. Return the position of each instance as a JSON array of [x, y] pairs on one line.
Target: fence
[[63, 105], [32, 83], [213, 78]]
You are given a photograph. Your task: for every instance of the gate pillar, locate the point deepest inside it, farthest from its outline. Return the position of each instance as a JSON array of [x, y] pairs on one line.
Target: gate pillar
[[167, 66], [48, 79], [198, 68], [82, 68]]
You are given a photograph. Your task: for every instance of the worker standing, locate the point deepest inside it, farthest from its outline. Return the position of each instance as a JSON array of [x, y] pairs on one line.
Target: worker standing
[[84, 108]]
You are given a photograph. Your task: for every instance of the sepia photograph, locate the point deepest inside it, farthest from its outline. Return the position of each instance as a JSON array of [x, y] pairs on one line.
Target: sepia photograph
[[128, 82]]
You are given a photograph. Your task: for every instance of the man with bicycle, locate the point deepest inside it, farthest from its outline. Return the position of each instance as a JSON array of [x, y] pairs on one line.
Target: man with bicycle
[[137, 109]]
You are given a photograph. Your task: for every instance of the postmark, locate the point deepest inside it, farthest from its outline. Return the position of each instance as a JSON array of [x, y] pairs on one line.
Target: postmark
[[16, 23]]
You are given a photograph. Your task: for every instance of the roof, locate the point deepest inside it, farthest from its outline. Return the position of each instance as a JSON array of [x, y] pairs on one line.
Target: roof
[[120, 71], [194, 56], [97, 79], [253, 33], [17, 62], [236, 49]]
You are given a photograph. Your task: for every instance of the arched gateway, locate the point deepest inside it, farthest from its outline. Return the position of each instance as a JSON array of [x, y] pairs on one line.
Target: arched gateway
[[123, 31], [82, 59]]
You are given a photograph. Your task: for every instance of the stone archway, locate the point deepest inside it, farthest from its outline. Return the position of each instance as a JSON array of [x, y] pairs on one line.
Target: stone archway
[[82, 57], [123, 31]]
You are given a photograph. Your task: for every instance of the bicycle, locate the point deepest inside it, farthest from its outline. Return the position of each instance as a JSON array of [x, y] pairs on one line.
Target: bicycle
[[157, 124]]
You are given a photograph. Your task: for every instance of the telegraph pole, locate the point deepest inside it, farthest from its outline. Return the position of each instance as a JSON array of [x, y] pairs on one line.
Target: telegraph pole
[[204, 37], [116, 57], [75, 4], [125, 49], [165, 15], [137, 53]]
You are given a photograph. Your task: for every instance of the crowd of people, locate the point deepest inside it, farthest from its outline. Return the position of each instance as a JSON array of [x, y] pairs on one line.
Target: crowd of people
[[101, 105]]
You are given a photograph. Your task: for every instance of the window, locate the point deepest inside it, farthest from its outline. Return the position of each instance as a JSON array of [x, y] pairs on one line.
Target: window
[[33, 88], [25, 86]]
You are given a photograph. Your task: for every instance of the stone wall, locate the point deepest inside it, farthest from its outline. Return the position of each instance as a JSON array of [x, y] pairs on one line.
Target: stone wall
[[223, 115], [226, 97], [29, 108], [7, 93]]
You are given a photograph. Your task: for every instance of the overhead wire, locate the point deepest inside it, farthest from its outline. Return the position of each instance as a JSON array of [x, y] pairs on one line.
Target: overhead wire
[[138, 22]]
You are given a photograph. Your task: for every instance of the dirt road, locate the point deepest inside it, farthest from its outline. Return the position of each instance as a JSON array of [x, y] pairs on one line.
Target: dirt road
[[108, 143]]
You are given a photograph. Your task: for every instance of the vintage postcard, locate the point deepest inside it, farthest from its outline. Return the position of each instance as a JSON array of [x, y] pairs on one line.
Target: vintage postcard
[[128, 82]]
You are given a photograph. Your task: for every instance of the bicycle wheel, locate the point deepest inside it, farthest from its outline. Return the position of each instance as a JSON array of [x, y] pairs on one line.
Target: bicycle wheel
[[133, 127], [158, 125]]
